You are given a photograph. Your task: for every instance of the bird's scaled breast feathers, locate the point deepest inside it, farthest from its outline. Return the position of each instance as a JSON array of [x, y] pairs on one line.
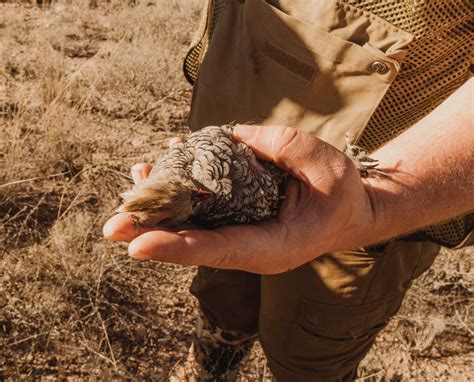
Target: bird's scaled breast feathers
[[235, 186]]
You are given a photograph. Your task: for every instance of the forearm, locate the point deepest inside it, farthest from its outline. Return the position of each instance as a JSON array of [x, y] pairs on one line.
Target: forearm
[[431, 169]]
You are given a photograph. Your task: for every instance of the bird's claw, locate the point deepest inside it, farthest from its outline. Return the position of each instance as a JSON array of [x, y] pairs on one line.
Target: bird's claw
[[366, 165]]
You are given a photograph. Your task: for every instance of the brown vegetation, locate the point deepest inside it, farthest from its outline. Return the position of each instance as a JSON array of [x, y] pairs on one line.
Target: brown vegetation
[[86, 90]]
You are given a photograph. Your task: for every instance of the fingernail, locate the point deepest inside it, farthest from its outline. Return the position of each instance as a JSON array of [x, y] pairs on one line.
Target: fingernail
[[137, 167], [108, 231], [112, 234], [134, 251], [136, 171]]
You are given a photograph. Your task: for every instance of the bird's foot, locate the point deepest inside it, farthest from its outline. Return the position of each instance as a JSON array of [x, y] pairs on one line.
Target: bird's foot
[[366, 165]]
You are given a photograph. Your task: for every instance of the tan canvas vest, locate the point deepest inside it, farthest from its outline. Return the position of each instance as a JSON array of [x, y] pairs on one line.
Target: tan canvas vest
[[368, 67]]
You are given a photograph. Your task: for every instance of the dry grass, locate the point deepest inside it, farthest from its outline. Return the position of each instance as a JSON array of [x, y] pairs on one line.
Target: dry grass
[[84, 93]]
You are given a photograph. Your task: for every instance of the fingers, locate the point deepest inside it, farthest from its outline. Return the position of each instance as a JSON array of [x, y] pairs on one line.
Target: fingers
[[262, 251], [288, 148], [121, 227], [140, 171]]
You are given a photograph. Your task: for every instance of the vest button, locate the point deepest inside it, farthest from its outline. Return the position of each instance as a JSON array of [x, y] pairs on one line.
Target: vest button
[[379, 67]]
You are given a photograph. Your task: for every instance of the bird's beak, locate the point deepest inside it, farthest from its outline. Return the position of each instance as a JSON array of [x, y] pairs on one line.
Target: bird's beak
[[200, 193]]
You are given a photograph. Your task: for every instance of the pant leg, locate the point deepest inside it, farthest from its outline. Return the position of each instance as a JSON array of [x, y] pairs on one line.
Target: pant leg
[[230, 300], [318, 321]]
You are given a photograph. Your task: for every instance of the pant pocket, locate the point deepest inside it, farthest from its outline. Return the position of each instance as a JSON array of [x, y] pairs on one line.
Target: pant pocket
[[320, 319], [265, 65], [329, 340]]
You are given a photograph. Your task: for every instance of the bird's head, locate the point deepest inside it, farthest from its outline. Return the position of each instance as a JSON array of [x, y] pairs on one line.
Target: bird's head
[[166, 201]]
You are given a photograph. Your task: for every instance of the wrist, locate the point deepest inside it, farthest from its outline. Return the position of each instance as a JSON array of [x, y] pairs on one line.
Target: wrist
[[398, 206], [380, 227]]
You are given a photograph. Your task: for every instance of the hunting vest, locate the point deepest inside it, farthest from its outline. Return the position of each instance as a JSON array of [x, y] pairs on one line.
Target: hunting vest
[[371, 68]]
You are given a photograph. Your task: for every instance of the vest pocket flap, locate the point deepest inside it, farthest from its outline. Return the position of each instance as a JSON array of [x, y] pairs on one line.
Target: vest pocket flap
[[318, 47], [349, 23]]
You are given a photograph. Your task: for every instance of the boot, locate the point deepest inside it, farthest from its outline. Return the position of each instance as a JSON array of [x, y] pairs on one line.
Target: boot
[[214, 355]]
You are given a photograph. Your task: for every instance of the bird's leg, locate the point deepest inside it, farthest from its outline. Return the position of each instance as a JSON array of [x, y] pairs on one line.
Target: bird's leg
[[366, 165]]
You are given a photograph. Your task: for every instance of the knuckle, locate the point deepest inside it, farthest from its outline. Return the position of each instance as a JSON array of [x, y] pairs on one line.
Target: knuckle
[[224, 261], [283, 142], [227, 258]]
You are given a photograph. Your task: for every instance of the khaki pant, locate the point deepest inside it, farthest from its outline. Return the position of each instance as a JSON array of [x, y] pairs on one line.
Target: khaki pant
[[318, 321]]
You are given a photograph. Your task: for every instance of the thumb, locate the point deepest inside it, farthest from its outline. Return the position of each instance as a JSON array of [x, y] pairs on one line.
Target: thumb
[[289, 148]]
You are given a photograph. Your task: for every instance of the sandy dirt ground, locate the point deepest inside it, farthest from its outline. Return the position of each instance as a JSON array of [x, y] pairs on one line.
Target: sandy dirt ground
[[86, 90]]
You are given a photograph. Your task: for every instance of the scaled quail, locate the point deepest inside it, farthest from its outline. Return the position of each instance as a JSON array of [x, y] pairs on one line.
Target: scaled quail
[[209, 179]]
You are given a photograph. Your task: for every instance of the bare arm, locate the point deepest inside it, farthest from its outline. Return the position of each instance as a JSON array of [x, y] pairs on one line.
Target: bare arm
[[433, 163], [328, 207]]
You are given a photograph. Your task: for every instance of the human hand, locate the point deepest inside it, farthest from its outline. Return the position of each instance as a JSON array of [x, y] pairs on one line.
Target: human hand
[[327, 207]]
